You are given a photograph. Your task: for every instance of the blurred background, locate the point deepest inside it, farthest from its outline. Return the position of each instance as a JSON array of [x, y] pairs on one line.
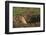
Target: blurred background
[[26, 17]]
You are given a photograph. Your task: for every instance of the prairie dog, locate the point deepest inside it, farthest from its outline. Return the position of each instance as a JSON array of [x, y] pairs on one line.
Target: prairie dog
[[19, 19]]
